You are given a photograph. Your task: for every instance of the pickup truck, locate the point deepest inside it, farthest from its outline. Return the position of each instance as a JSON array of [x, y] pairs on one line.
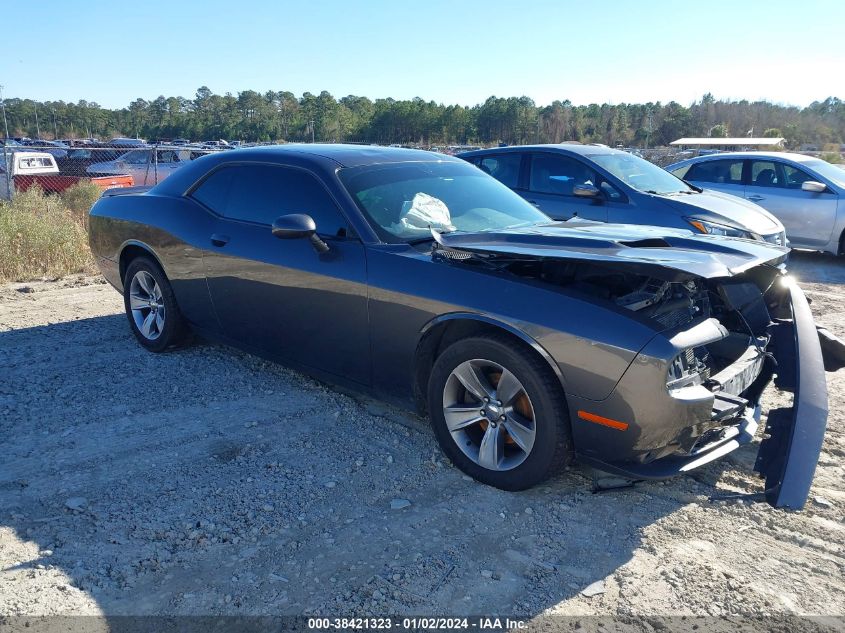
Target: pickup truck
[[40, 168]]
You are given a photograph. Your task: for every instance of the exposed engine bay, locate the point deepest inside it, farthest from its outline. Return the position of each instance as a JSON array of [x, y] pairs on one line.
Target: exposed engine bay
[[744, 306]]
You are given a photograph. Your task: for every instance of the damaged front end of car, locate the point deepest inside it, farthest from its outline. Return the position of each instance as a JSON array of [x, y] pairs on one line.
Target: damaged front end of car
[[727, 320]]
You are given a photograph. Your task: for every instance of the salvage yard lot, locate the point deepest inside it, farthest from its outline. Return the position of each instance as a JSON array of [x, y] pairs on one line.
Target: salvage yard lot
[[207, 481]]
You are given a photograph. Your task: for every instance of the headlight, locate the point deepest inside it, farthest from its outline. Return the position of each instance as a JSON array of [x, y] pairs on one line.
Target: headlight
[[711, 228]]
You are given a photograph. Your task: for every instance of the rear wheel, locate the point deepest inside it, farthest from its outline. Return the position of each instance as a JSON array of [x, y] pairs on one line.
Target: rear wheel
[[151, 306], [498, 412]]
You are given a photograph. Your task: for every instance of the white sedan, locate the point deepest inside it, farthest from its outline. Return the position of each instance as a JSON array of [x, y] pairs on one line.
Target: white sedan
[[805, 193]]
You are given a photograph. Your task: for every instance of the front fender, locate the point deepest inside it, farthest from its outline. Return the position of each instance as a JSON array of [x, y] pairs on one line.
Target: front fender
[[499, 323]]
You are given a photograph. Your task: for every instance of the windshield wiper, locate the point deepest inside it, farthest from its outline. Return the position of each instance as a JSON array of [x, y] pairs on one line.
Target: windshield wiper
[[427, 238], [668, 193]]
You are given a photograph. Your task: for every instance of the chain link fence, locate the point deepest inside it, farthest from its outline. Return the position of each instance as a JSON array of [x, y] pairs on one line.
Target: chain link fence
[[55, 167]]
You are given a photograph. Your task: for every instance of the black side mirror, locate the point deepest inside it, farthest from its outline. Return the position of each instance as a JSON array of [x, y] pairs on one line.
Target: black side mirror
[[586, 191], [296, 226]]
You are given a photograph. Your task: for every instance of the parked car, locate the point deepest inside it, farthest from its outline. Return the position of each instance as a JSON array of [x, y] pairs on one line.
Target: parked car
[[221, 144], [146, 166], [640, 350], [598, 183], [127, 142], [806, 194], [78, 159]]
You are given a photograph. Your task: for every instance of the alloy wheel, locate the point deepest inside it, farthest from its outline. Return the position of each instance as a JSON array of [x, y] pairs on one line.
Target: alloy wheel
[[489, 414], [147, 305]]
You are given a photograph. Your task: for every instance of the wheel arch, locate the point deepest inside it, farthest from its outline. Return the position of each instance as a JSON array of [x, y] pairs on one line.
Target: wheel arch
[[443, 330], [132, 249]]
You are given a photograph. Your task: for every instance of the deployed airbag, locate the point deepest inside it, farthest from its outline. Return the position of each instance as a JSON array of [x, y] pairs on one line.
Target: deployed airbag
[[422, 214]]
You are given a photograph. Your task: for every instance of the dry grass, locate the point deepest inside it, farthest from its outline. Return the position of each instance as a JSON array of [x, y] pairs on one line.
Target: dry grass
[[44, 235], [80, 198]]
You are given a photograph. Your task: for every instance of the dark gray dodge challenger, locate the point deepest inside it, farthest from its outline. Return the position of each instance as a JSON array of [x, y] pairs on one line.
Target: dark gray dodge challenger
[[641, 351]]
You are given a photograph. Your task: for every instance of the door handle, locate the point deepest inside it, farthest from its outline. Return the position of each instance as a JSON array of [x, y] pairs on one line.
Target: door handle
[[756, 198], [219, 240], [534, 203]]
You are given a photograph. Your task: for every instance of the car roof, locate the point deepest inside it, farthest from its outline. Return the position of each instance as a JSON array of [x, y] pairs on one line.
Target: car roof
[[318, 156], [348, 155], [798, 158], [563, 148]]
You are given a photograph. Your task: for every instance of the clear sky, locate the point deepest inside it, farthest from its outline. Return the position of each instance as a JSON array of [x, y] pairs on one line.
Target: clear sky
[[450, 51]]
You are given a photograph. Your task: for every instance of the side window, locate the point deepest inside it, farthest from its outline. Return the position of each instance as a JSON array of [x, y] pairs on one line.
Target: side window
[[553, 173], [728, 172], [261, 193], [503, 167], [794, 177], [764, 173]]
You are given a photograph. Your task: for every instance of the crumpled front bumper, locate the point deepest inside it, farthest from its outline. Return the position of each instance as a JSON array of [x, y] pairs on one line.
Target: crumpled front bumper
[[789, 453], [793, 438]]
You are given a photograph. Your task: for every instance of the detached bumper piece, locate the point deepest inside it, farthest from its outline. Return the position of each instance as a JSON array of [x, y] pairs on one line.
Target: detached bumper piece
[[790, 451]]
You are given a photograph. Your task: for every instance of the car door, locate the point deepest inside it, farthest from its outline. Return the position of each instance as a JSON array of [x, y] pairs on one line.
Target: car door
[[281, 296], [808, 217], [551, 181], [724, 175]]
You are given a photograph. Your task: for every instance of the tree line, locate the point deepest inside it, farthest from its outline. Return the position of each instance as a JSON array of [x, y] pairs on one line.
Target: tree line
[[282, 116]]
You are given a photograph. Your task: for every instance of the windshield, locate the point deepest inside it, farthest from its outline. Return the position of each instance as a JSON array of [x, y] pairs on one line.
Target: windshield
[[826, 170], [404, 201], [640, 174]]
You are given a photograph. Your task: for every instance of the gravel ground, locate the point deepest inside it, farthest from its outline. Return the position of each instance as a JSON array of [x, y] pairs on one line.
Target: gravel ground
[[207, 481]]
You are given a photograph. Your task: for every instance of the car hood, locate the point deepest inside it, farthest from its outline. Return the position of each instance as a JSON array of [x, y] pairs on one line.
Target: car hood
[[657, 251], [729, 209]]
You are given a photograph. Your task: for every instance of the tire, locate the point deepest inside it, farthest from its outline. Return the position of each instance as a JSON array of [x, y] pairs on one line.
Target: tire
[[477, 448], [157, 328]]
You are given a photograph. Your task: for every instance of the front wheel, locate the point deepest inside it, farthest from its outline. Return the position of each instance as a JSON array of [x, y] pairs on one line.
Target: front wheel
[[151, 306], [499, 413]]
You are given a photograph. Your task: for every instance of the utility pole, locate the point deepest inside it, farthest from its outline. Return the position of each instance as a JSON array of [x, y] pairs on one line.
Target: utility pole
[[55, 128], [538, 128], [311, 123], [649, 126], [3, 107], [37, 129]]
